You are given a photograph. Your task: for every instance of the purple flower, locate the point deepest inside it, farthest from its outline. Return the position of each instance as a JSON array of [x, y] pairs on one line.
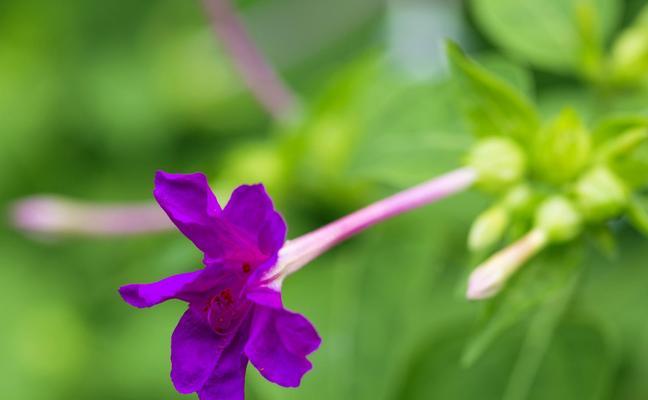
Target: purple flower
[[235, 313]]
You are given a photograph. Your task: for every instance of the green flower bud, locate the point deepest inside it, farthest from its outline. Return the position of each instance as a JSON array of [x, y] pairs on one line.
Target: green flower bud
[[559, 219], [562, 148], [518, 198], [630, 52], [488, 228], [499, 163], [600, 194]]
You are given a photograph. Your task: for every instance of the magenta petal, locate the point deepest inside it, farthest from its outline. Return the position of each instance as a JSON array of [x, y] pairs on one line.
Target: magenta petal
[[250, 209], [149, 294], [193, 208], [227, 380], [265, 296], [272, 235], [279, 341], [195, 350]]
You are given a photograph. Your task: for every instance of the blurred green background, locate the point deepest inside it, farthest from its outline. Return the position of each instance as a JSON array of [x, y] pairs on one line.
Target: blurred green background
[[95, 96]]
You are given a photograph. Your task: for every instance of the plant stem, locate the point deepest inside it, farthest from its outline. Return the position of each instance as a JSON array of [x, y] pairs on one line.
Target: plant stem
[[56, 215], [298, 252], [259, 76]]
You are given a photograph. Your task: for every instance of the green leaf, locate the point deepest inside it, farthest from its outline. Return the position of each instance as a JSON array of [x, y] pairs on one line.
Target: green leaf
[[622, 142], [557, 35], [519, 77], [540, 282], [577, 364], [638, 213], [493, 106], [613, 126], [537, 341], [633, 167], [418, 131]]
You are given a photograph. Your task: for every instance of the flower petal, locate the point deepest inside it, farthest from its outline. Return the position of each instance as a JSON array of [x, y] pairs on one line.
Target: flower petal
[[191, 205], [251, 210], [272, 234], [227, 380], [149, 294], [280, 340], [195, 350], [189, 202]]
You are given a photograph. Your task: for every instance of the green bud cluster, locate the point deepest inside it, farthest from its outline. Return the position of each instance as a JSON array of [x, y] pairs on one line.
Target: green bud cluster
[[566, 181], [558, 179]]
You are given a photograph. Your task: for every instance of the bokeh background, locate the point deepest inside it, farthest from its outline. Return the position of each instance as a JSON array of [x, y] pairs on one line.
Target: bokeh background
[[95, 96]]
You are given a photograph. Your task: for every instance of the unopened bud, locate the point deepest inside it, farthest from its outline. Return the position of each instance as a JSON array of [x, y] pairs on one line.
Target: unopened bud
[[518, 198], [600, 194], [630, 52], [489, 278], [559, 219], [499, 163], [562, 148], [488, 228]]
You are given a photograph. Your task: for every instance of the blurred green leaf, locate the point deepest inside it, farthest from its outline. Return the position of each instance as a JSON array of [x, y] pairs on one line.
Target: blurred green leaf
[[622, 141], [493, 107], [613, 126], [604, 241], [633, 167], [416, 131], [414, 135], [517, 76], [558, 35], [577, 364], [537, 341], [629, 59], [542, 281], [638, 213]]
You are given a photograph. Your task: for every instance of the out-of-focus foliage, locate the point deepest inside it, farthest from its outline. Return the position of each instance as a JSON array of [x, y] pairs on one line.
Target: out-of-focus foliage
[[95, 96], [559, 35]]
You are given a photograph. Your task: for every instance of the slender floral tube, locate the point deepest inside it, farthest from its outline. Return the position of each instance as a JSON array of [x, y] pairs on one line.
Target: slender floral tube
[[58, 215], [262, 80], [298, 252], [488, 278]]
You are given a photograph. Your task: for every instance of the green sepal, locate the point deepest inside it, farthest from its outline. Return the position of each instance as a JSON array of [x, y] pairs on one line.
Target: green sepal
[[559, 218]]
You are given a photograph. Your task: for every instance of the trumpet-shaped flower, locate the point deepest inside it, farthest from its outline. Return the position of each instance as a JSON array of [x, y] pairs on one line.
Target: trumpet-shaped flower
[[235, 314]]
